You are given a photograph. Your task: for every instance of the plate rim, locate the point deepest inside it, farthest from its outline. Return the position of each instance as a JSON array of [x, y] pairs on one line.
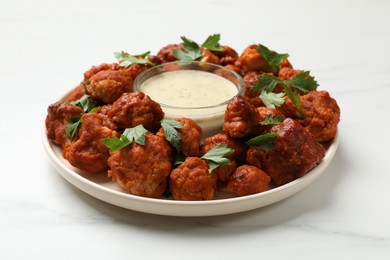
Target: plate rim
[[169, 207]]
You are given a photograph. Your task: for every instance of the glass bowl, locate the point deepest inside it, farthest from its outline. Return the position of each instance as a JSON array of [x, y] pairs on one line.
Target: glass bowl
[[209, 116]]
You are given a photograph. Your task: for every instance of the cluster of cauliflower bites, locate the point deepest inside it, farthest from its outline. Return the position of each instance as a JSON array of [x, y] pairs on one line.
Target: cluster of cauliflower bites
[[148, 170]]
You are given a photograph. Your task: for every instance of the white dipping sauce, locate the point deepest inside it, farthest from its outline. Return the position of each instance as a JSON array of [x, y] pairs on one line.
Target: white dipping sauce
[[199, 95], [189, 88]]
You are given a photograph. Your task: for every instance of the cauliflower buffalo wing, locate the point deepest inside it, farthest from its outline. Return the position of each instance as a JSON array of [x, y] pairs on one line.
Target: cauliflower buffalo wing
[[321, 114], [237, 157], [241, 118], [136, 108], [193, 181], [88, 153], [190, 136], [142, 169], [296, 152], [248, 180], [59, 115]]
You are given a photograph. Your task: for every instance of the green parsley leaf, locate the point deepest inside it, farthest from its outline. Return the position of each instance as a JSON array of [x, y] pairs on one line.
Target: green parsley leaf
[[294, 97], [216, 156], [125, 59], [212, 43], [171, 135], [213, 165], [85, 84], [190, 45], [71, 130], [273, 58], [271, 99], [270, 120], [186, 56], [114, 143], [136, 134], [302, 81], [85, 101], [266, 82], [264, 141], [191, 51]]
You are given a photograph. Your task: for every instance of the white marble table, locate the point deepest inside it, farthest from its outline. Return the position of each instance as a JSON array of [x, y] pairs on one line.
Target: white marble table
[[45, 46]]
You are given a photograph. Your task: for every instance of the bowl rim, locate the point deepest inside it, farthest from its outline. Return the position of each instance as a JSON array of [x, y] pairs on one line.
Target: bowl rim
[[184, 64]]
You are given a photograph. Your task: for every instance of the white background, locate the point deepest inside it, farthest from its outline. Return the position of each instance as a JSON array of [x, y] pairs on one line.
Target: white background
[[45, 46]]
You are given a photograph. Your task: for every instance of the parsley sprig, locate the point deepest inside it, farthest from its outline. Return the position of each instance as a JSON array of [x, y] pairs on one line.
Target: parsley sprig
[[192, 49], [130, 135], [85, 101], [301, 82], [265, 141], [212, 43], [125, 59], [216, 156], [71, 130], [87, 105], [273, 58], [171, 134], [270, 120]]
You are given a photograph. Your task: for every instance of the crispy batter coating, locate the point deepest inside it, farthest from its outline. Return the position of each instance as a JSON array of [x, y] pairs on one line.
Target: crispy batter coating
[[190, 136], [165, 54], [241, 117], [287, 73], [250, 80], [59, 115], [263, 113], [104, 109], [322, 114], [253, 157], [296, 152], [101, 67], [192, 181], [248, 180], [88, 153], [142, 169], [251, 60], [76, 94], [227, 56], [209, 56], [136, 108], [108, 83], [237, 157]]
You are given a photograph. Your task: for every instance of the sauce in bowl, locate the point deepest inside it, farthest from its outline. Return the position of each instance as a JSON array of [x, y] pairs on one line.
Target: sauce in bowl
[[189, 88], [195, 90]]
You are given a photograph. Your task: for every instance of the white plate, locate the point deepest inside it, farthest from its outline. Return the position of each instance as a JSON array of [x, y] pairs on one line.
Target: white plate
[[101, 187]]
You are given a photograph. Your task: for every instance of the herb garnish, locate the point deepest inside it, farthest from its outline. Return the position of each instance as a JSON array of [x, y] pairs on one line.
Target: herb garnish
[[171, 135], [271, 99], [71, 129], [125, 59], [273, 58], [84, 103], [270, 120], [216, 156], [265, 141], [192, 49], [301, 82], [136, 134], [212, 43]]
